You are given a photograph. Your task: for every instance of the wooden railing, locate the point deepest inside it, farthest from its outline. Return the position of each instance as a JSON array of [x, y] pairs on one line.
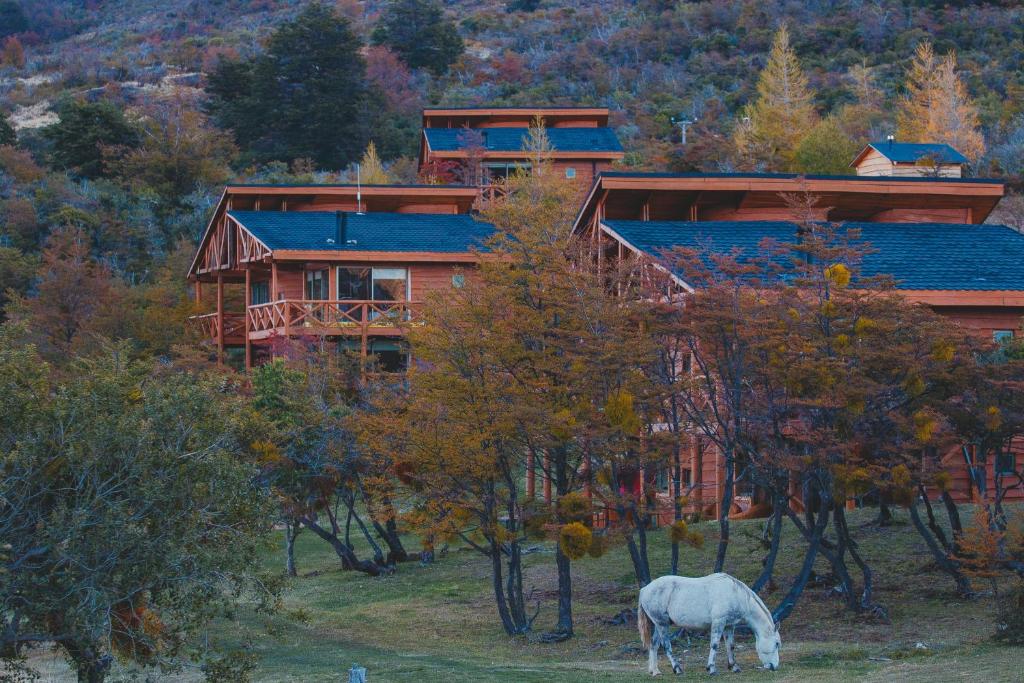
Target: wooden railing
[[295, 317], [206, 325]]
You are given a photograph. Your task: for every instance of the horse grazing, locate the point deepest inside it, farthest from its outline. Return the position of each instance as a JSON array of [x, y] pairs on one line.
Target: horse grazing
[[717, 602]]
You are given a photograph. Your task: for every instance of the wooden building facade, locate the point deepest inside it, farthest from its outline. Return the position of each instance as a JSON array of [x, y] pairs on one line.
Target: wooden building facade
[[928, 233], [494, 139], [341, 263]]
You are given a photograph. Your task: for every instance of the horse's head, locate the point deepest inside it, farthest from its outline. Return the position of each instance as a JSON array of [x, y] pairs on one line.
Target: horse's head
[[768, 647]]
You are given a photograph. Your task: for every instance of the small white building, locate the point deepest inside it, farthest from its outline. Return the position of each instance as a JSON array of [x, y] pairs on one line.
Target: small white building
[[911, 159]]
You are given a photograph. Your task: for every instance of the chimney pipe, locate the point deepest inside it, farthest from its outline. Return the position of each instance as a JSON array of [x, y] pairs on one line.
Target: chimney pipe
[[341, 227]]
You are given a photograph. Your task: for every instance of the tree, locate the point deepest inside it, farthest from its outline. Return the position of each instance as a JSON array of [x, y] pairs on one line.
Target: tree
[[88, 135], [826, 149], [163, 527], [936, 106], [305, 97], [16, 272], [75, 297], [8, 136], [417, 31], [12, 18], [782, 113], [371, 170], [178, 152], [13, 53]]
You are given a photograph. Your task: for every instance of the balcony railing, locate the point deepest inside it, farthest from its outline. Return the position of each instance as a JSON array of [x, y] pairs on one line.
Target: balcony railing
[[206, 325], [303, 316]]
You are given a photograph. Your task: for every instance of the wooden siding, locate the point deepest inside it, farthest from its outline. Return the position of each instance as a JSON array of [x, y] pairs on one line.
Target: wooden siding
[[874, 163]]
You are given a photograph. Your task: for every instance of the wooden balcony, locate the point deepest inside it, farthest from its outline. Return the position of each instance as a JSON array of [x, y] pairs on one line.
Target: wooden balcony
[[207, 327], [295, 317]]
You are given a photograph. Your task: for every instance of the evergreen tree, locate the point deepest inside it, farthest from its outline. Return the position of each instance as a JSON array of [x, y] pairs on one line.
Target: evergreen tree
[[7, 134], [937, 107], [12, 18], [305, 97], [417, 31], [88, 134], [774, 124]]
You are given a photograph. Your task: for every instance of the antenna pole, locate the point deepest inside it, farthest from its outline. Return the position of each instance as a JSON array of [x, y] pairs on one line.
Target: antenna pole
[[359, 191]]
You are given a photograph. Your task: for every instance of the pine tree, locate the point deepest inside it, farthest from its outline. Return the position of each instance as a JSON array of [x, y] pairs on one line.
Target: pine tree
[[8, 136], [418, 32], [783, 113], [937, 107]]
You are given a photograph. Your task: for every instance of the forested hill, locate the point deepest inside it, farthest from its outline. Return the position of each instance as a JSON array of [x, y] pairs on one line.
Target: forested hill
[[647, 60], [121, 119]]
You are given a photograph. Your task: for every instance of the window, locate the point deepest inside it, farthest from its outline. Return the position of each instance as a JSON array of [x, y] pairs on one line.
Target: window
[[458, 281], [353, 284], [1002, 336], [499, 171], [259, 293], [389, 284], [1006, 463], [570, 173], [317, 285], [389, 356]]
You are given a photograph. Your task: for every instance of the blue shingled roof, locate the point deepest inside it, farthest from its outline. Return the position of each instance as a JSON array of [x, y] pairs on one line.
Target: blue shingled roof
[[940, 256], [514, 139], [912, 152], [312, 230]]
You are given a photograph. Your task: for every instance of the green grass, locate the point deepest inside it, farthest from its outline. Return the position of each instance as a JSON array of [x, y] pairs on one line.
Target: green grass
[[438, 623]]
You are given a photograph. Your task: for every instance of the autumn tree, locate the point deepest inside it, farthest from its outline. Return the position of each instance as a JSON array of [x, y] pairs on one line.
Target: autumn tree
[[163, 529], [12, 53], [936, 106], [826, 149], [371, 170], [771, 127]]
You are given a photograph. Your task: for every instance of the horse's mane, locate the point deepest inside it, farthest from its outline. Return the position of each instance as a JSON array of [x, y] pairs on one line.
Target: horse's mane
[[757, 598]]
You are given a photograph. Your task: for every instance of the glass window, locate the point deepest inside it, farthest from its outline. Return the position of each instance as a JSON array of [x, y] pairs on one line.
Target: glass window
[[458, 281], [1006, 463], [1002, 336], [317, 285], [570, 172], [260, 293], [389, 356], [389, 284], [353, 283], [497, 172]]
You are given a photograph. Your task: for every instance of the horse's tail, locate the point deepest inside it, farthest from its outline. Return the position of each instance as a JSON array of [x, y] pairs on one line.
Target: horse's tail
[[644, 624]]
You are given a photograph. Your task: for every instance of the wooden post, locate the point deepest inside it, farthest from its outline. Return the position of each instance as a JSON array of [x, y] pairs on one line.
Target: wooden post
[[199, 291], [531, 476], [273, 280], [220, 319], [248, 302]]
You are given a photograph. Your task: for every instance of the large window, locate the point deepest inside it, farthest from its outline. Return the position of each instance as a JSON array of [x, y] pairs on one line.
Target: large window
[[1006, 463], [317, 287], [390, 284], [353, 284], [497, 172]]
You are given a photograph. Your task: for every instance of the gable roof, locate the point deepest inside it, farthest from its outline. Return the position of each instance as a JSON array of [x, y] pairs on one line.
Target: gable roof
[[397, 232], [913, 152], [514, 139], [919, 256]]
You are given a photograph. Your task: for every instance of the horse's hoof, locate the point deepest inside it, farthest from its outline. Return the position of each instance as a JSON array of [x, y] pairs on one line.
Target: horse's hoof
[[735, 668], [712, 670], [677, 670], [655, 673]]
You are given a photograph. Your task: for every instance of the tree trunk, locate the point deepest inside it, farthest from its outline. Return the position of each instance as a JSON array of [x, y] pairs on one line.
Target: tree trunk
[[563, 563], [90, 665], [348, 558], [291, 530], [867, 595], [499, 590], [775, 525], [785, 607], [942, 559], [723, 514]]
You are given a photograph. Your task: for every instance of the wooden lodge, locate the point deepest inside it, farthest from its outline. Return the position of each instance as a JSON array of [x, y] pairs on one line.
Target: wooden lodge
[[909, 160], [927, 232], [494, 138], [340, 263]]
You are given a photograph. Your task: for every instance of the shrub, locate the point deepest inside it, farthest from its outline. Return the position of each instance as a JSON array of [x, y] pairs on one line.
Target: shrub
[[575, 540]]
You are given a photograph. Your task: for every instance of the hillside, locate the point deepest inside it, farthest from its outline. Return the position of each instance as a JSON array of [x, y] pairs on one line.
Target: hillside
[[648, 61]]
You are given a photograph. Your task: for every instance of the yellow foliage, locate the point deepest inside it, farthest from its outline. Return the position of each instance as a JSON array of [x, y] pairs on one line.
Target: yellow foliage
[[620, 414], [574, 507], [993, 418], [793, 313], [838, 275], [842, 341], [942, 480], [924, 426], [943, 351], [864, 324], [901, 476], [598, 546], [677, 532], [828, 309], [575, 539], [914, 385], [135, 395]]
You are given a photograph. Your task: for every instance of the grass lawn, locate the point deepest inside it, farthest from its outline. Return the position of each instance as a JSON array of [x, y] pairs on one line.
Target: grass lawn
[[438, 623]]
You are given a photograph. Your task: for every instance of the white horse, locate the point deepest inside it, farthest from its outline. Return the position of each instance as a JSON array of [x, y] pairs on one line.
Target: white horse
[[717, 602]]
